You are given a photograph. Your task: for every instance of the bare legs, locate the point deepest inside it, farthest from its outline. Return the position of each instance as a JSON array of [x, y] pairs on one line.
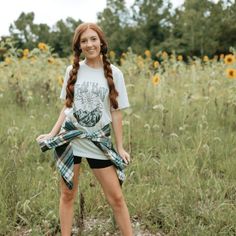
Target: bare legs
[[67, 202], [107, 177]]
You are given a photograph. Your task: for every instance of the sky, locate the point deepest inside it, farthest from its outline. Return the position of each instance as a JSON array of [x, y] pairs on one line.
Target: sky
[[50, 11]]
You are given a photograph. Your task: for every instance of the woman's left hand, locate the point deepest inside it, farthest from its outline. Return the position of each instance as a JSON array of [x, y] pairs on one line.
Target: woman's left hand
[[125, 155]]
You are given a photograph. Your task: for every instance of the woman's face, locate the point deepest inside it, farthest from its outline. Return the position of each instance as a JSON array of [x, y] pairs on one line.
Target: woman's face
[[90, 44]]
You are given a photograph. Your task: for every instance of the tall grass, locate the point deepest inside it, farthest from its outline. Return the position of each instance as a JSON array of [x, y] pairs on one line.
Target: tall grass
[[180, 133]]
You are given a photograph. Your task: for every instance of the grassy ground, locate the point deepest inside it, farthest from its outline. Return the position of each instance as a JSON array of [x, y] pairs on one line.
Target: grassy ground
[[180, 133]]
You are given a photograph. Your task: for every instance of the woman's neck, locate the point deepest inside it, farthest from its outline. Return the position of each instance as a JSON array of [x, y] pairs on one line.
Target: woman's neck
[[94, 63]]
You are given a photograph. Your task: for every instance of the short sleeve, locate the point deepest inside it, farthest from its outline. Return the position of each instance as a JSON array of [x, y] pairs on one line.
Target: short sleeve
[[122, 99], [66, 77]]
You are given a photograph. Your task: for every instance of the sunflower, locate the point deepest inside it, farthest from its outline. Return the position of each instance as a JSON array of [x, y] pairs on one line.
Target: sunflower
[[164, 55], [155, 79], [60, 80], [205, 58], [124, 55], [140, 62], [180, 58], [229, 59], [43, 46], [156, 64], [51, 60], [25, 52], [112, 54], [148, 53], [8, 60], [231, 73], [222, 56]]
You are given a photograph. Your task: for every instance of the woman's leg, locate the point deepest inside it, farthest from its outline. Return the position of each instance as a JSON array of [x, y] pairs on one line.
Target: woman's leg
[[108, 179], [67, 202]]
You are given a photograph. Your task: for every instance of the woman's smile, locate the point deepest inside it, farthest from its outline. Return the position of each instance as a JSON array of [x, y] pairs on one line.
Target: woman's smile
[[90, 44]]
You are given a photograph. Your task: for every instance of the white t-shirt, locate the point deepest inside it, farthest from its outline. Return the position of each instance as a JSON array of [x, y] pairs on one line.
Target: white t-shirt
[[91, 108]]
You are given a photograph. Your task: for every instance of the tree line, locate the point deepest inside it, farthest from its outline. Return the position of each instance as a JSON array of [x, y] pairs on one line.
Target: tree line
[[196, 28]]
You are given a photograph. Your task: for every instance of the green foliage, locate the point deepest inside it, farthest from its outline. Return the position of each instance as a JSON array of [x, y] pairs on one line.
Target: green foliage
[[227, 26], [61, 37], [114, 21], [179, 130], [152, 19], [197, 28], [27, 34], [195, 31]]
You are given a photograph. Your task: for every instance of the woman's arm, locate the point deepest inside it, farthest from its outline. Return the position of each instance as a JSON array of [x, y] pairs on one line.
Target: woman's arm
[[56, 128], [117, 128]]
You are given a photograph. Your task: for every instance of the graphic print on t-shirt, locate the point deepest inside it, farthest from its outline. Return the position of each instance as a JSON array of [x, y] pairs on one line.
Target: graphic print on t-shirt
[[88, 100]]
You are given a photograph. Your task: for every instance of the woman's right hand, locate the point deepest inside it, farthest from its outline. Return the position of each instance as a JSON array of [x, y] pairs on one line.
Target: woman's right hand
[[42, 137]]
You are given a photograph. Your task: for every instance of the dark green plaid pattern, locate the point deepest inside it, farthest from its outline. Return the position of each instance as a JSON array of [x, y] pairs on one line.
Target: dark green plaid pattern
[[63, 151]]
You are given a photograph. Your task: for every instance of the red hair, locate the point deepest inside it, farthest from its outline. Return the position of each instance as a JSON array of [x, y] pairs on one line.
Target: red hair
[[106, 64]]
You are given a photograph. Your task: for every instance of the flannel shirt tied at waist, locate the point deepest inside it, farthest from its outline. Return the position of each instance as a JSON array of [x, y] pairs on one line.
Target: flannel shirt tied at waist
[[63, 153]]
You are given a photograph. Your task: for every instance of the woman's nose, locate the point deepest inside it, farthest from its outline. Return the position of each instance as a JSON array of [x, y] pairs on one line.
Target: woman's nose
[[89, 43]]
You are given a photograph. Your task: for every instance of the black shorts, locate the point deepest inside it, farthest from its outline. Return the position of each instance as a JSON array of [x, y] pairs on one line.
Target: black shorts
[[94, 163]]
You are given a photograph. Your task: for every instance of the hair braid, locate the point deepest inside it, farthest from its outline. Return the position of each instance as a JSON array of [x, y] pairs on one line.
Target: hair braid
[[72, 79], [108, 74]]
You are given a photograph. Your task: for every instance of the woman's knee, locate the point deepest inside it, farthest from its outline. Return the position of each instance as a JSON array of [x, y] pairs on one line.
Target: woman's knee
[[68, 196], [116, 201]]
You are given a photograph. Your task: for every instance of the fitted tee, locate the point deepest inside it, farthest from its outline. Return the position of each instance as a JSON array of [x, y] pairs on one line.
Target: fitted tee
[[91, 109]]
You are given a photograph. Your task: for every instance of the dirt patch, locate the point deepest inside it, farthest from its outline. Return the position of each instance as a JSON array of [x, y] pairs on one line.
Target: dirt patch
[[108, 228], [94, 227]]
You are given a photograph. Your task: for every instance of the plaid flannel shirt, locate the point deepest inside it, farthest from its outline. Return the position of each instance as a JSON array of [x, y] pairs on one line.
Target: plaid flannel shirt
[[63, 153]]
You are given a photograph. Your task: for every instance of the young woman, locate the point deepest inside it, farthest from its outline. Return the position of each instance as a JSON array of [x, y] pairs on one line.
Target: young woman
[[94, 93]]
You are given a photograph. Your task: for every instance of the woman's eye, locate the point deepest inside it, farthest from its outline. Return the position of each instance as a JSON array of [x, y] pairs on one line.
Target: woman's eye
[[83, 41]]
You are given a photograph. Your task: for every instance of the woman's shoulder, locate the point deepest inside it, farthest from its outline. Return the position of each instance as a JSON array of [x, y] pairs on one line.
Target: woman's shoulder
[[69, 67], [116, 71]]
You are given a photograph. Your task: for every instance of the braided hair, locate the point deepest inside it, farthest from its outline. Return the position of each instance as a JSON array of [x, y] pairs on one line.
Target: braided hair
[[75, 67]]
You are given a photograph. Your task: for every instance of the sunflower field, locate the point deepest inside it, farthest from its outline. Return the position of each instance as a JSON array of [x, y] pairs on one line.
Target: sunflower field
[[180, 131]]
